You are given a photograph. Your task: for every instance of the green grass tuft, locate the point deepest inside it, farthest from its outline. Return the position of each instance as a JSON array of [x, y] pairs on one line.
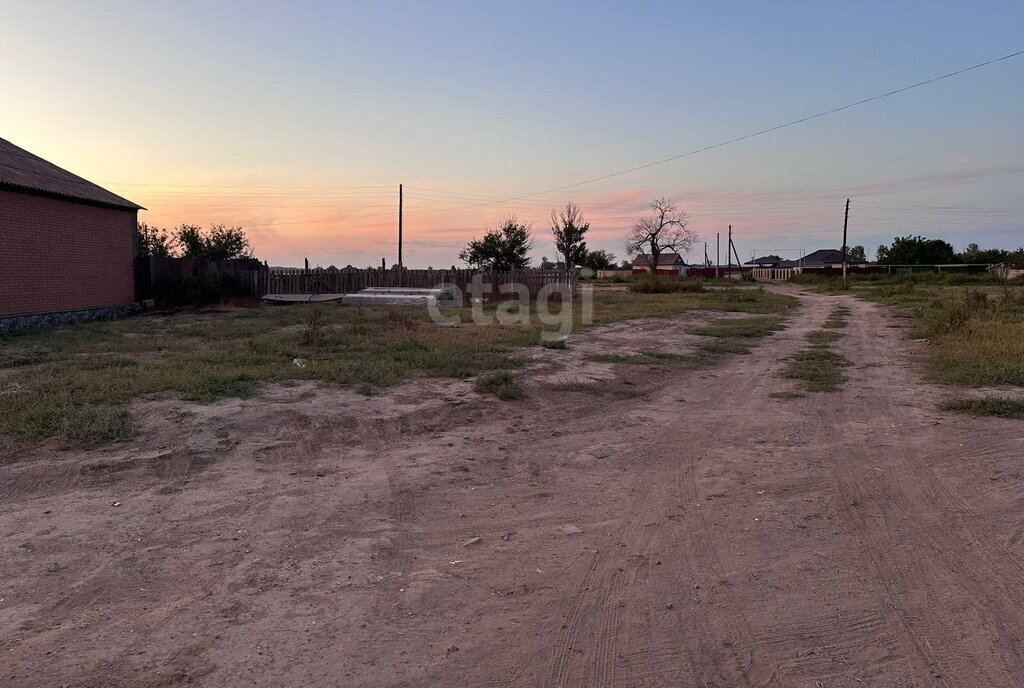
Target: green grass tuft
[[1002, 407], [654, 358], [501, 385], [742, 327], [724, 347], [823, 337], [837, 319], [819, 368]]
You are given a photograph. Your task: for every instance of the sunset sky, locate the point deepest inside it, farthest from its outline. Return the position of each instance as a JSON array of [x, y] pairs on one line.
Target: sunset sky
[[298, 120]]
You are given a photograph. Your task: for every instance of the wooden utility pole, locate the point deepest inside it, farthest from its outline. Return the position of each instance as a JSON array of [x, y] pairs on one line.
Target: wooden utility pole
[[707, 261], [399, 226], [718, 252], [728, 252], [846, 220], [732, 247]]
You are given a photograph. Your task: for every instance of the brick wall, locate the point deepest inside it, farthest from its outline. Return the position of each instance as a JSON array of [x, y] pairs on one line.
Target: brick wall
[[60, 255]]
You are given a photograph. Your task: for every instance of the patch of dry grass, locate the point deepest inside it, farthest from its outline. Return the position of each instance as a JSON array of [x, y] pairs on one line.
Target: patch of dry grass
[[74, 383], [976, 335]]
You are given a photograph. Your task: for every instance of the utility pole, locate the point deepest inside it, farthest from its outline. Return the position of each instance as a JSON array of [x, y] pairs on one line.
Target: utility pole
[[846, 220], [707, 261], [728, 252], [732, 251], [399, 226], [718, 252]]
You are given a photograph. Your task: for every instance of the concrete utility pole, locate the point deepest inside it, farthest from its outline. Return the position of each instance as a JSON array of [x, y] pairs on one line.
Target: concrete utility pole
[[718, 252], [846, 220], [399, 225]]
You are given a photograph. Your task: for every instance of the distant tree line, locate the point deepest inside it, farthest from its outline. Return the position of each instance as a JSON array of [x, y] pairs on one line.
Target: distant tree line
[[918, 250], [218, 242], [507, 246]]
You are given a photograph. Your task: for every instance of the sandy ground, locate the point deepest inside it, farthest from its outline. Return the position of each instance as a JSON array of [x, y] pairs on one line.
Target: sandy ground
[[682, 528]]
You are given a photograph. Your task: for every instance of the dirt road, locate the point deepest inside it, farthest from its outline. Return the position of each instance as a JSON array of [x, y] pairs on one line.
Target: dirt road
[[679, 528]]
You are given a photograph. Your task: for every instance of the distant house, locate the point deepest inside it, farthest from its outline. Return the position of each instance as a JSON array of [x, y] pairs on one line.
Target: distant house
[[66, 245], [822, 258], [764, 262], [668, 264]]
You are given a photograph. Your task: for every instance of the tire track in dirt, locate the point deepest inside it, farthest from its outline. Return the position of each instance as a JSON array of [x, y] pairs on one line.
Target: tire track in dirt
[[602, 588], [910, 552], [720, 647], [713, 651], [782, 655], [609, 573]]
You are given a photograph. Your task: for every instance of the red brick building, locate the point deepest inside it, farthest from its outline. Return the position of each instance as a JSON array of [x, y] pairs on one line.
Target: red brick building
[[66, 244]]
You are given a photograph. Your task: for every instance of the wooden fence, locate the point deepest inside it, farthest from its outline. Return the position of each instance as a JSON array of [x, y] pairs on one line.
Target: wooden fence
[[486, 284], [249, 277], [243, 277]]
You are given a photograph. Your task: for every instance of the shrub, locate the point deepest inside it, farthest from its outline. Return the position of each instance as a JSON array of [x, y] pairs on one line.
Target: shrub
[[311, 329]]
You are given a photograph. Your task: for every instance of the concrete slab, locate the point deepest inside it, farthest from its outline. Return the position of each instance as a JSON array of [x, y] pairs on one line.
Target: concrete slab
[[301, 298], [398, 297], [384, 299], [410, 291]]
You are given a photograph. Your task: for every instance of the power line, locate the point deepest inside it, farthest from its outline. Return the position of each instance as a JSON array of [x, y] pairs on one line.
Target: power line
[[438, 195], [761, 132]]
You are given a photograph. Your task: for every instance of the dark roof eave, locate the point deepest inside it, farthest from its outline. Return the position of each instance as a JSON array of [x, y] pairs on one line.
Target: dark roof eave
[[32, 191]]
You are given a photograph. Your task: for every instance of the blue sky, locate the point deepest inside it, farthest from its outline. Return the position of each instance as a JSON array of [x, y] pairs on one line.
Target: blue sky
[[298, 120]]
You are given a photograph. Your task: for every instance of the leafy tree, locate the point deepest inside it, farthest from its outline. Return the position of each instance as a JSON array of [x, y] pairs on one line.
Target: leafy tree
[[218, 243], [665, 230], [569, 229], [506, 247], [546, 264], [975, 254], [597, 260], [916, 250], [857, 254], [190, 241], [152, 241]]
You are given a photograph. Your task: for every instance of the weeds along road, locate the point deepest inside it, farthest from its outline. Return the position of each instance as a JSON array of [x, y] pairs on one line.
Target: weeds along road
[[671, 526]]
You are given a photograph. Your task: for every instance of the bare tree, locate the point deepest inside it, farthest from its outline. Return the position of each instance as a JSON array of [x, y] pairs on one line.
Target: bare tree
[[665, 230], [569, 229]]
